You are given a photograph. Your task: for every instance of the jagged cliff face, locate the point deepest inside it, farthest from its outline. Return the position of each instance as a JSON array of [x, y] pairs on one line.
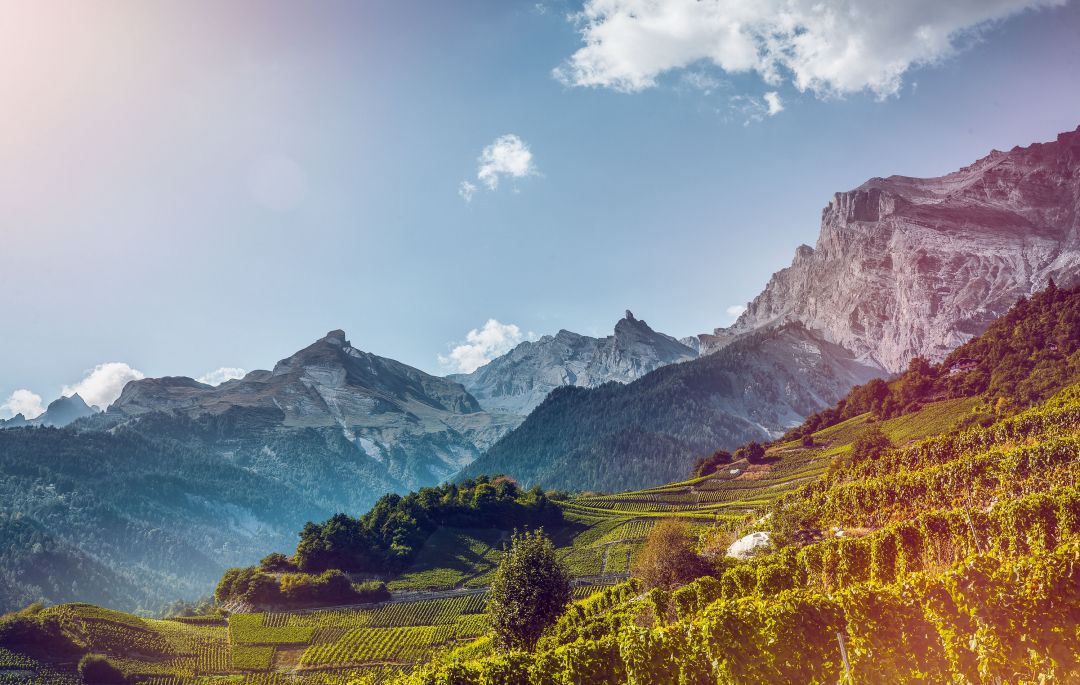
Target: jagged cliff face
[[907, 266], [518, 381], [412, 428]]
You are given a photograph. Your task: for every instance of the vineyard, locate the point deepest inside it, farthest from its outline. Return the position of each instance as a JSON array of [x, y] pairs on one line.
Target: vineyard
[[953, 557]]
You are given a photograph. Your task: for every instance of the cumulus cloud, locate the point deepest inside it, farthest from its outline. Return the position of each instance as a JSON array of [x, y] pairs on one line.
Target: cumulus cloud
[[773, 104], [507, 157], [102, 385], [481, 345], [827, 47], [219, 376], [23, 402], [736, 310]]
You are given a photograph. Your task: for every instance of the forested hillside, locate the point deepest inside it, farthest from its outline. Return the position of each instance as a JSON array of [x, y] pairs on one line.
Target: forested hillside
[[619, 437], [92, 516]]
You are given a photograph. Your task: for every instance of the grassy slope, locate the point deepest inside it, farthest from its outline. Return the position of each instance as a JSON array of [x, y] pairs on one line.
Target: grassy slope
[[602, 534]]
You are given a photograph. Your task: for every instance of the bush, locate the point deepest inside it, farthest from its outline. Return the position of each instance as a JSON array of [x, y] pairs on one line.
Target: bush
[[276, 562], [753, 452], [707, 465], [96, 670], [667, 560], [871, 444]]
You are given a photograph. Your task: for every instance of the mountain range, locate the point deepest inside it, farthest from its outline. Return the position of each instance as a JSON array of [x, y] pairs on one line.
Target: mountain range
[[902, 267], [518, 381]]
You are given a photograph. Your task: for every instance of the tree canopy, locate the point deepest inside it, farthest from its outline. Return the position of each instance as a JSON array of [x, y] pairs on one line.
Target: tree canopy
[[530, 590]]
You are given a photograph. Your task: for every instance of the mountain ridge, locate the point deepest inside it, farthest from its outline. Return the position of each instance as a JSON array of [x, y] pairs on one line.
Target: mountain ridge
[[518, 381]]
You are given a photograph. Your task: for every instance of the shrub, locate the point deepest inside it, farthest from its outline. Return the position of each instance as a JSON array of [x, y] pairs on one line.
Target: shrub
[[667, 560], [97, 670], [276, 562], [707, 465], [753, 452], [871, 444]]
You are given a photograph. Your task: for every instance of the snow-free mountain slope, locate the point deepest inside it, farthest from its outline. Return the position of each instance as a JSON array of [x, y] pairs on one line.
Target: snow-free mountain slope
[[518, 381], [616, 437]]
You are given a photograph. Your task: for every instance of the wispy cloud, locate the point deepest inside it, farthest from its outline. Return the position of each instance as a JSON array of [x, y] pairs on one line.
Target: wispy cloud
[[467, 190], [832, 47], [508, 156], [481, 345], [752, 109], [736, 310], [23, 402], [103, 384]]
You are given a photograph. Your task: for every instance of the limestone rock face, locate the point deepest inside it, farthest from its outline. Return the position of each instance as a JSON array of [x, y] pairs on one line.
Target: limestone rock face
[[518, 381], [909, 266]]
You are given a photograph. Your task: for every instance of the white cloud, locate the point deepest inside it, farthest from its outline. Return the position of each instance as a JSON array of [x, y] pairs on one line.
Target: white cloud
[[466, 190], [219, 376], [752, 109], [102, 385], [481, 346], [773, 103], [23, 402], [736, 310], [507, 157], [828, 47]]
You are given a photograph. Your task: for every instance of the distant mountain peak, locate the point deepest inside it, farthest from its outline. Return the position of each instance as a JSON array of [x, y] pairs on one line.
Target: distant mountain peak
[[518, 381]]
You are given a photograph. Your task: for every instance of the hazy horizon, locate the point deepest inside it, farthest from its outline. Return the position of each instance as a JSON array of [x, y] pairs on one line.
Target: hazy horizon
[[190, 187]]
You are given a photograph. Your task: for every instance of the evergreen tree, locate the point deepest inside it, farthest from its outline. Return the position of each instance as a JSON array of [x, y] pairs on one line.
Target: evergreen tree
[[530, 590]]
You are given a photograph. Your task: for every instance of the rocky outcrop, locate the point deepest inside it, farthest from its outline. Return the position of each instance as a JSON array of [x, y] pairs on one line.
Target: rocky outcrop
[[518, 381], [909, 266]]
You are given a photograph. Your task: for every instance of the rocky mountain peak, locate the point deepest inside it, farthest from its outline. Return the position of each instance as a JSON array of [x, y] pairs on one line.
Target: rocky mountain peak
[[336, 337], [908, 266], [518, 381]]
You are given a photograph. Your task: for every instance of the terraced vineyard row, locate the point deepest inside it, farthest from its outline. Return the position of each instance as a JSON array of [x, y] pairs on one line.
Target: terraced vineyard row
[[379, 644]]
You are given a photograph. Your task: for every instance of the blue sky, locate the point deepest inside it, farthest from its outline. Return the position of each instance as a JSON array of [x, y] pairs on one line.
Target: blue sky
[[192, 185]]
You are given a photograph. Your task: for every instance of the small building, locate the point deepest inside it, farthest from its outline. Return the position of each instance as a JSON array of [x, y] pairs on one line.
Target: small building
[[962, 366]]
